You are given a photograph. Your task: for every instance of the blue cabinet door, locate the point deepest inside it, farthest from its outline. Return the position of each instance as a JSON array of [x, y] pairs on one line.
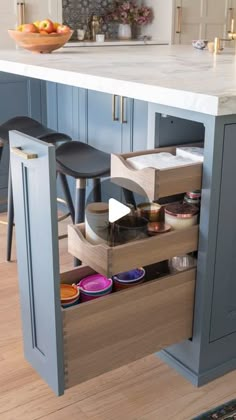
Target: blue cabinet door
[[103, 132], [34, 190], [224, 295]]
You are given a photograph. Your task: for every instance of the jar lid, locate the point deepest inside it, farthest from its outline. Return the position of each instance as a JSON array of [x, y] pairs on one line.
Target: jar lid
[[181, 210], [97, 208], [194, 194]]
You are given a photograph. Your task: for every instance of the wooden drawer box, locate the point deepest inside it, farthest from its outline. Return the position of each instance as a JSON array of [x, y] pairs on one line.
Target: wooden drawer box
[[112, 260], [153, 182], [122, 327]]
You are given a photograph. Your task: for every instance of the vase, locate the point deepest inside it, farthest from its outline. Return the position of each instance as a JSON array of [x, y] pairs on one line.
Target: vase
[[124, 31]]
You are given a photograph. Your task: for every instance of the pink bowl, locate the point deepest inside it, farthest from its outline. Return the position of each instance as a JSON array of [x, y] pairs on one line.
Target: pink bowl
[[95, 283]]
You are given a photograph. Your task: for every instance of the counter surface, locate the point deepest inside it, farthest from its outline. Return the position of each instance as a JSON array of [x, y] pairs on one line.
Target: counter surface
[[177, 76]]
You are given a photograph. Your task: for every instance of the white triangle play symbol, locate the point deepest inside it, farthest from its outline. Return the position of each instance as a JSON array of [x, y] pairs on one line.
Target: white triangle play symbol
[[117, 210]]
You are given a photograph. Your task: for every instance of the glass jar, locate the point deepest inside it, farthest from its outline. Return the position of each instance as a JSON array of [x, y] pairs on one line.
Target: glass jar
[[181, 215], [97, 222]]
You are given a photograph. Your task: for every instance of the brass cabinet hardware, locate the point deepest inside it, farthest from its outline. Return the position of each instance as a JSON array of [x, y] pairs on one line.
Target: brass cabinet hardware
[[231, 20], [20, 12], [114, 116], [179, 19], [122, 110], [26, 155]]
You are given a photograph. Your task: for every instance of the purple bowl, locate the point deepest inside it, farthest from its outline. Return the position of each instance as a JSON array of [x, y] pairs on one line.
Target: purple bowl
[[131, 276]]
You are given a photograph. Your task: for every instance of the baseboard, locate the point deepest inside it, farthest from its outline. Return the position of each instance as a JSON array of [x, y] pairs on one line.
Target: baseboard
[[197, 379]]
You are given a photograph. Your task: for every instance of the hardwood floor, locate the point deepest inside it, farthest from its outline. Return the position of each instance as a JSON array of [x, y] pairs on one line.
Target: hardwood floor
[[144, 390]]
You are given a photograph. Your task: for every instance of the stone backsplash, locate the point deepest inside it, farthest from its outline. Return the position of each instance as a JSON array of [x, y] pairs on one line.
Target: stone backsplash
[[77, 14]]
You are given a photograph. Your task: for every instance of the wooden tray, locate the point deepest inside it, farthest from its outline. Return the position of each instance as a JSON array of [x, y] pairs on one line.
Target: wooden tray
[[154, 182], [112, 260]]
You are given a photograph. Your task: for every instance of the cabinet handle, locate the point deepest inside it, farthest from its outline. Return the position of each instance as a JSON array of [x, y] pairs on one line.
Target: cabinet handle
[[231, 20], [114, 117], [122, 110], [25, 155], [179, 19], [20, 12]]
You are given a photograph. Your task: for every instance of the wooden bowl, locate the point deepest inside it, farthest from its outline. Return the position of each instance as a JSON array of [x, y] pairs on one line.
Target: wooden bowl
[[39, 43]]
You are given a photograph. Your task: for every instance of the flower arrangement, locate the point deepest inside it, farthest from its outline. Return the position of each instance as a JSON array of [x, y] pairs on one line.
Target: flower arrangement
[[128, 12]]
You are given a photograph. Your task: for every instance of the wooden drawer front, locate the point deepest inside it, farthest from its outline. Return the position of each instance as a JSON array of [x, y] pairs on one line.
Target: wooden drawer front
[[106, 333], [112, 260], [154, 182]]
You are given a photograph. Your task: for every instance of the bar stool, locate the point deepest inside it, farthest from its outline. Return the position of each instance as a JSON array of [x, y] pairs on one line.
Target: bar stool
[[73, 158], [35, 129]]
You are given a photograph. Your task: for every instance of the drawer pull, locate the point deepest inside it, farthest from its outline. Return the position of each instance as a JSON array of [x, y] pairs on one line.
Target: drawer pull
[[231, 20], [114, 117], [25, 155], [179, 19], [122, 110], [20, 13]]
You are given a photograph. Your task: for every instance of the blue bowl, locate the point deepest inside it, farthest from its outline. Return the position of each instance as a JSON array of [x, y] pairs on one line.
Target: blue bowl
[[131, 276]]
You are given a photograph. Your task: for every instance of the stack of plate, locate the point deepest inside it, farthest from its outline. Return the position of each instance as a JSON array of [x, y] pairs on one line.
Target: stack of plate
[[94, 286], [69, 295], [128, 279]]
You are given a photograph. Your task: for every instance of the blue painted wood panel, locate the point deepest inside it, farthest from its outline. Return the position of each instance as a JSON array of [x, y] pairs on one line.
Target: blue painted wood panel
[[34, 193], [224, 295]]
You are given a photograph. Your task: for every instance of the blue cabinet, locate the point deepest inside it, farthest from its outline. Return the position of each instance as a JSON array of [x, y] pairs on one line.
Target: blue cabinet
[[19, 96], [224, 293]]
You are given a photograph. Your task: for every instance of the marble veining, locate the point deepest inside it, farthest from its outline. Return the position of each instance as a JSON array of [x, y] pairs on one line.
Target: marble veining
[[177, 76]]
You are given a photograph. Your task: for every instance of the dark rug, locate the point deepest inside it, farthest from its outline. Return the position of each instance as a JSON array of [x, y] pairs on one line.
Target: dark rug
[[225, 411]]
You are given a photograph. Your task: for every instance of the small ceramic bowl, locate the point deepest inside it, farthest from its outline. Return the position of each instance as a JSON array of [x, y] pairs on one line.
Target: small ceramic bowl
[[200, 44], [128, 278], [68, 292], [94, 286]]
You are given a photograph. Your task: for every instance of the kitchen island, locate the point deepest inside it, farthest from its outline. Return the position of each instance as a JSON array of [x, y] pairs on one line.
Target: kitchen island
[[190, 97]]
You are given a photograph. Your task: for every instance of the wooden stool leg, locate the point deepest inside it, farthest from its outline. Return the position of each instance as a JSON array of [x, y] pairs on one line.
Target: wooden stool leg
[[97, 194], [10, 217], [80, 196], [129, 197], [67, 194]]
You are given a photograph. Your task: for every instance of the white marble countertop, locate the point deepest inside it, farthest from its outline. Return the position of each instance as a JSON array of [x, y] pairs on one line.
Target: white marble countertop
[[177, 76]]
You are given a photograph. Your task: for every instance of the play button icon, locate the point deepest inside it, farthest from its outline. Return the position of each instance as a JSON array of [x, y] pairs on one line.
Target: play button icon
[[117, 210]]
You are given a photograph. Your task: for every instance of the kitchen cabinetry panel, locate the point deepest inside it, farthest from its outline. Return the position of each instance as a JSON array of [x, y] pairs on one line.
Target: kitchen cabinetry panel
[[224, 302], [203, 19], [37, 255]]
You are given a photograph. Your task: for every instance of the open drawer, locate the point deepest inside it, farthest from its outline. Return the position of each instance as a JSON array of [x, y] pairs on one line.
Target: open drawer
[[153, 182], [68, 346], [109, 260], [124, 326]]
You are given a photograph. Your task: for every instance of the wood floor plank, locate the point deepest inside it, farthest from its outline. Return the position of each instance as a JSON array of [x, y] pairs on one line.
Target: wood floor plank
[[144, 390]]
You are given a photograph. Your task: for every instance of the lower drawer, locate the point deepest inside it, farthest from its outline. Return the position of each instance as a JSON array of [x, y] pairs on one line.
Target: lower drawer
[[122, 327]]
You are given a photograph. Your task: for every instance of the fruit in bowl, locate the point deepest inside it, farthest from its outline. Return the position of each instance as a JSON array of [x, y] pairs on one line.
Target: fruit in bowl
[[41, 36]]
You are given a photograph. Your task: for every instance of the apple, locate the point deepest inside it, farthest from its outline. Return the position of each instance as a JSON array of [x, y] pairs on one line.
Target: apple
[[19, 28], [46, 25], [29, 27], [55, 24], [37, 23], [43, 32], [63, 29]]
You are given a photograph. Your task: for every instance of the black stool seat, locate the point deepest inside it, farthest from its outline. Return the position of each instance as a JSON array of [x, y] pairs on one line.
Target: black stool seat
[[82, 161], [33, 128]]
